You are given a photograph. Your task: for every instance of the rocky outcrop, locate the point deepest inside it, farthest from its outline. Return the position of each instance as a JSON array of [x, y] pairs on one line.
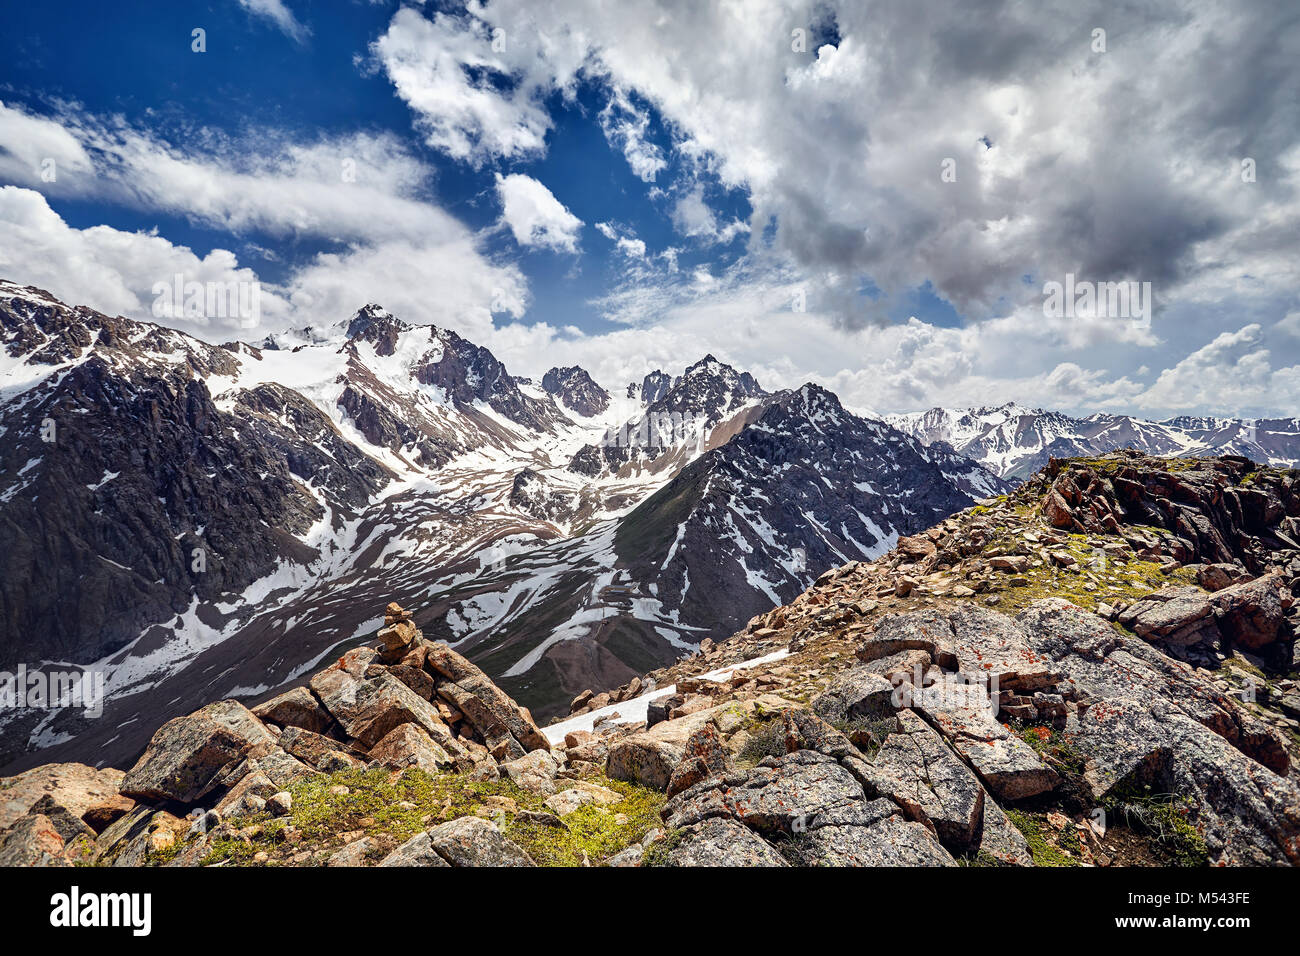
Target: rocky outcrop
[[575, 390]]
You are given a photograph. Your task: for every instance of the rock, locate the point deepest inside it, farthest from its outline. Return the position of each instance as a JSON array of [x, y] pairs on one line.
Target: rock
[[1001, 840], [1251, 614], [189, 756], [891, 841], [629, 857], [280, 804], [83, 791], [1151, 722], [295, 708], [417, 851], [534, 772], [1178, 616], [580, 702], [915, 768], [925, 630], [354, 854], [370, 707], [916, 547], [491, 707], [473, 841], [703, 757], [416, 678], [856, 694], [781, 795], [963, 714], [1216, 577], [1057, 510], [579, 795], [991, 647], [650, 757], [409, 745], [721, 842], [318, 752], [64, 821], [32, 841]]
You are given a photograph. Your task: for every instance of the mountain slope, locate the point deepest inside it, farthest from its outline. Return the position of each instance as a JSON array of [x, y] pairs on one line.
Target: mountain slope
[[803, 487]]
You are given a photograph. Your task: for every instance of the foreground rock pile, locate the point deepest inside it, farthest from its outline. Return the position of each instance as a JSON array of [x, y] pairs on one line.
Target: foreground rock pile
[[1103, 679]]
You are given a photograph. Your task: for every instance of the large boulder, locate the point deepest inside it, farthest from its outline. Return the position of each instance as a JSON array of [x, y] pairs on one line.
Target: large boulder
[[721, 842], [295, 708], [485, 705], [856, 694], [915, 768], [32, 841], [703, 757], [782, 795], [473, 841], [369, 706], [409, 745], [534, 772], [650, 757], [1177, 616], [190, 756], [964, 714], [85, 792], [1251, 614], [417, 851]]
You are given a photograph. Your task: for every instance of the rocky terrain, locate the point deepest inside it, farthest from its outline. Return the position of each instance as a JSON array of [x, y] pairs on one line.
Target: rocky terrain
[[1014, 441], [1097, 669]]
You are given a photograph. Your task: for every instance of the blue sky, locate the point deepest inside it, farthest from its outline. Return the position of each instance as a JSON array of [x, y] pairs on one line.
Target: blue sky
[[629, 186], [136, 61]]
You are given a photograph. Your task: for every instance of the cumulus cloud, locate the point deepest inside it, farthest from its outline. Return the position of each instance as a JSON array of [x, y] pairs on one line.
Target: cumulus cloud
[[463, 87], [534, 215]]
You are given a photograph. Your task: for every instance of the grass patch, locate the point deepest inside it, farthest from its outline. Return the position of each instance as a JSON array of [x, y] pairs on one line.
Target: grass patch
[[1164, 819], [595, 832], [1045, 853], [393, 808]]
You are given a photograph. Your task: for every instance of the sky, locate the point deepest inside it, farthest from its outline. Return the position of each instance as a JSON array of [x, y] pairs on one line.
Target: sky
[[874, 196]]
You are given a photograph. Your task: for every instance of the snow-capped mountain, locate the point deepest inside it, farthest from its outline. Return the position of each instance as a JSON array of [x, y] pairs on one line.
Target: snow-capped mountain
[[198, 521], [1014, 441], [574, 389], [804, 487]]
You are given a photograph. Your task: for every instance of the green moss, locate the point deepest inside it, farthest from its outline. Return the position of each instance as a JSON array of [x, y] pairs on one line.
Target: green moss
[[1164, 818], [383, 805], [1044, 852], [656, 853], [594, 832], [1054, 746]]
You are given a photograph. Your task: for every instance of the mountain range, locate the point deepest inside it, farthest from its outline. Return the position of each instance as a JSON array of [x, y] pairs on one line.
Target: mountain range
[[199, 521], [1014, 441]]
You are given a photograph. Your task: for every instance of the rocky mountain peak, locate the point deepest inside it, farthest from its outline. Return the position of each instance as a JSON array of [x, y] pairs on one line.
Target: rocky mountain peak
[[576, 390]]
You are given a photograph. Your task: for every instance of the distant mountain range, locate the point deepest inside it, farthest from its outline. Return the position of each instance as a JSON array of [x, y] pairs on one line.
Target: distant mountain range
[[202, 521], [1014, 441]]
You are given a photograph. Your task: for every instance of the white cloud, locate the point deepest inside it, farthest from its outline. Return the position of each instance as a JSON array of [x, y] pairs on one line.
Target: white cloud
[[111, 270], [280, 15], [625, 126], [534, 215], [626, 243], [441, 69]]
